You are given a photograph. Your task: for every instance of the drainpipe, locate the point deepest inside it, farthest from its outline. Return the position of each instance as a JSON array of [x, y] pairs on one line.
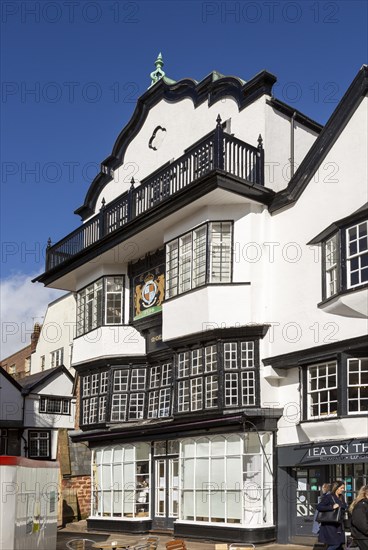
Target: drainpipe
[[292, 147]]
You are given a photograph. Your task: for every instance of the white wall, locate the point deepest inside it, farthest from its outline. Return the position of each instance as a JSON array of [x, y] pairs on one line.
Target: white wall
[[11, 401], [185, 125], [59, 386], [57, 331], [295, 273], [108, 342]]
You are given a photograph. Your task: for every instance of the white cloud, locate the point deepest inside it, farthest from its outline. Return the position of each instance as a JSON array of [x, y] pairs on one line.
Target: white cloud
[[22, 303]]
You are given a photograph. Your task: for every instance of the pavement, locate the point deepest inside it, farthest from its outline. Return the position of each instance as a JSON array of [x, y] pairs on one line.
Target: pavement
[[79, 530]]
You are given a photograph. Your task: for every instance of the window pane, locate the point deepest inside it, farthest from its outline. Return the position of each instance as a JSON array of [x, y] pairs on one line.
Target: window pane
[[220, 252]]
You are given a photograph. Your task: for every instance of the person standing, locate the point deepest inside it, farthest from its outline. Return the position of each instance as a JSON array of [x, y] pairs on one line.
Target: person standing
[[324, 490], [333, 534], [359, 518]]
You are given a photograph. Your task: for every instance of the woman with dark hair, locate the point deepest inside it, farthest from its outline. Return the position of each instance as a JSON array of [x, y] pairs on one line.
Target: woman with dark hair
[[359, 518], [316, 526], [333, 534]]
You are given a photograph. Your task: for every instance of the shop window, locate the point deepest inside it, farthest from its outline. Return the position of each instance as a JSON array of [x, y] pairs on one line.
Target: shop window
[[199, 257], [121, 482], [227, 479], [100, 303]]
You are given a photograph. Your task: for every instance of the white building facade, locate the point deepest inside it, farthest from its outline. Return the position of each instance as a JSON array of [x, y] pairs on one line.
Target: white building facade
[[207, 349]]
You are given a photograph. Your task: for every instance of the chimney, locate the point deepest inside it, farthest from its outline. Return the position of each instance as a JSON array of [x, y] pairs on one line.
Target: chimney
[[35, 336]]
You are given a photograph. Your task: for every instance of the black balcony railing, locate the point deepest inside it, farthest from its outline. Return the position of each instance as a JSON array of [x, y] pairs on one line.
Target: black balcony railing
[[217, 151]]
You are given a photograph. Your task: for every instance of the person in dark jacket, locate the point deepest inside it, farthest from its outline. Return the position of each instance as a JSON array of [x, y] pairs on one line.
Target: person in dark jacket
[[359, 518], [333, 534], [316, 526]]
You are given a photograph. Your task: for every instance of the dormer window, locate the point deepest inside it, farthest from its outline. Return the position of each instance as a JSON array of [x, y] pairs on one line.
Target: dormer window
[[346, 259]]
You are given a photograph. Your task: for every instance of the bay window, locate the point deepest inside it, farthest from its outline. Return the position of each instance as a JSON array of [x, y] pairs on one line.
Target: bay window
[[199, 257], [345, 258], [100, 303]]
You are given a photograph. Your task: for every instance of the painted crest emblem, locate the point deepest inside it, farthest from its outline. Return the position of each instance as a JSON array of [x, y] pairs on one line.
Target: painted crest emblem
[[149, 292]]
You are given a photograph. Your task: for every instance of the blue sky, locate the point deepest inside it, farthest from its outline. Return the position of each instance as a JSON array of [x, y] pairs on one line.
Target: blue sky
[[72, 71]]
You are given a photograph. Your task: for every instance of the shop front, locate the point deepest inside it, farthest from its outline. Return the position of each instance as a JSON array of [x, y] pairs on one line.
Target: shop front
[[212, 486], [302, 470]]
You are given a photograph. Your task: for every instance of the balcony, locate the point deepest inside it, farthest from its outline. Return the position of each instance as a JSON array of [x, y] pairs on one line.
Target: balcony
[[216, 151]]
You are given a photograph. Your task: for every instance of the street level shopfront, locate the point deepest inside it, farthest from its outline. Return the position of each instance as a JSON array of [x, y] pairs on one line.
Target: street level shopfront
[[302, 469], [212, 486]]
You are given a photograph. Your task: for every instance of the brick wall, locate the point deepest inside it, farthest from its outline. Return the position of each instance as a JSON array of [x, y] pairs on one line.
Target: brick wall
[[18, 360], [75, 467], [76, 495]]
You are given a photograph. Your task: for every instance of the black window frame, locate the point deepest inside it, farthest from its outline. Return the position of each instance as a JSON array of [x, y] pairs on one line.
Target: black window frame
[[52, 399], [99, 397], [38, 432]]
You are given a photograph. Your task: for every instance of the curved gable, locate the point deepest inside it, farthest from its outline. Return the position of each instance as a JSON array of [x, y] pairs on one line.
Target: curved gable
[[212, 89]]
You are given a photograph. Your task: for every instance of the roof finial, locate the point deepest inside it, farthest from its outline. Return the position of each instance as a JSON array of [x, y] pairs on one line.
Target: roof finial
[[158, 73]]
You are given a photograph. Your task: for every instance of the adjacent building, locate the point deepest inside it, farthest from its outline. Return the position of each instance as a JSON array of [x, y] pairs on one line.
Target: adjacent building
[[220, 311]]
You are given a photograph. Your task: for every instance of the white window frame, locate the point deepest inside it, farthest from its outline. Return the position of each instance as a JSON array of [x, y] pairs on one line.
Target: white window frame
[[94, 388], [199, 257], [93, 304], [117, 490], [361, 242], [129, 394], [240, 374], [54, 405], [332, 265], [57, 357], [245, 481], [357, 391], [315, 397]]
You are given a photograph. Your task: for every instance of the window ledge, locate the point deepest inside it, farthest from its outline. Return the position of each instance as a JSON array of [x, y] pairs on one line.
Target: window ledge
[[348, 303]]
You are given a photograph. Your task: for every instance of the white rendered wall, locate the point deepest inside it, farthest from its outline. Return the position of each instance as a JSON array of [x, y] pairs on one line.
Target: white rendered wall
[[57, 331], [295, 272], [11, 401], [207, 308], [277, 146], [59, 386], [185, 125], [108, 342]]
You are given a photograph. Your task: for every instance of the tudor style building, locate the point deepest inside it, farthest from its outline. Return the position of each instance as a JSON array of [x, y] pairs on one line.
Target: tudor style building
[[205, 342]]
